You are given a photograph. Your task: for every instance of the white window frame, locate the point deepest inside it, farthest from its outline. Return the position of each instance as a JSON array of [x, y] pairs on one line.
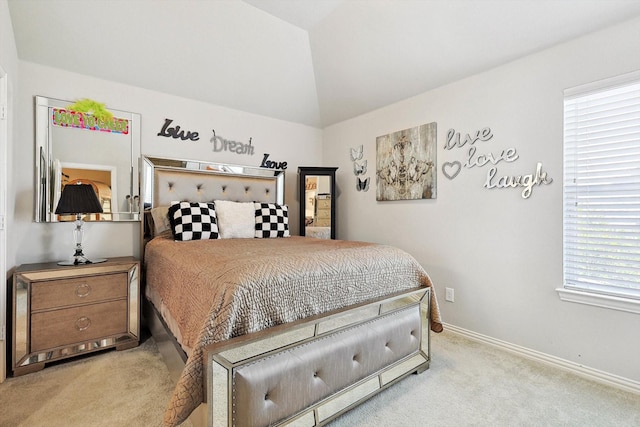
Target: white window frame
[[586, 288]]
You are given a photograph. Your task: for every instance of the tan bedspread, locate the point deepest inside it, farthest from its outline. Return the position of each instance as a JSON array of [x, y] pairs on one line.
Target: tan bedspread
[[218, 289]]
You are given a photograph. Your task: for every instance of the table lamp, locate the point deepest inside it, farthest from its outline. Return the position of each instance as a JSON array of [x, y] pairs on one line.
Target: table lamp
[[78, 199]]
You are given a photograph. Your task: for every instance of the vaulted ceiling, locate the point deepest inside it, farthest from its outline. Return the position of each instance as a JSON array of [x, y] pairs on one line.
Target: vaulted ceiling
[[315, 62]]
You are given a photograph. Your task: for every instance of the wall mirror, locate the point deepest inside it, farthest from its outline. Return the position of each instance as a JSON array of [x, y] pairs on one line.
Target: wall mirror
[[73, 147], [317, 191]]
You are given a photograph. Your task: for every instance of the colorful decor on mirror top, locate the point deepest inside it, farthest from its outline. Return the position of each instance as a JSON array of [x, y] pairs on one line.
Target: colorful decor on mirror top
[[88, 114]]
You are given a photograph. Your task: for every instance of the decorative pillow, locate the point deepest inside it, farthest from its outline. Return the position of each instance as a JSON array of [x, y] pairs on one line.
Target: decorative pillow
[[161, 221], [236, 220], [193, 221], [272, 220]]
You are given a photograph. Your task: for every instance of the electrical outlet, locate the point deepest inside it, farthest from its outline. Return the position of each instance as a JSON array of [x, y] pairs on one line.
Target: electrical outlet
[[449, 295]]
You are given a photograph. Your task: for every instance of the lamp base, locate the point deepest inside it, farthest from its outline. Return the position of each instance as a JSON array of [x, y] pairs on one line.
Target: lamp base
[[81, 261]]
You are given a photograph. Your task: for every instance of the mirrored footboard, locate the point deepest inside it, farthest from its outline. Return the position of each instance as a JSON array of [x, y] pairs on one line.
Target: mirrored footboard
[[309, 372]]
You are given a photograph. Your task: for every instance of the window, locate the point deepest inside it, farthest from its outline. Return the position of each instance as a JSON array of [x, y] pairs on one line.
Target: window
[[601, 194]]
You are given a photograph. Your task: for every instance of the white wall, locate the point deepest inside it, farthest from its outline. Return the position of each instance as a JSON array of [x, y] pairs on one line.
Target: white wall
[[501, 253], [36, 242], [9, 65]]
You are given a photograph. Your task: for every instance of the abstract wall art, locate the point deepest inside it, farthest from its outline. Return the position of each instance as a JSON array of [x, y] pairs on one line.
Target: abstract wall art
[[406, 164]]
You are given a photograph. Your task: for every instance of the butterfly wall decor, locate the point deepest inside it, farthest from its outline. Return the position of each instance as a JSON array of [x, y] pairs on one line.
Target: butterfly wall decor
[[362, 184], [359, 167], [356, 153]]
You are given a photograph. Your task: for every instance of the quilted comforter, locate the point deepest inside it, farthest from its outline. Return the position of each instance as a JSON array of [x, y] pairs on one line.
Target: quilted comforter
[[218, 289]]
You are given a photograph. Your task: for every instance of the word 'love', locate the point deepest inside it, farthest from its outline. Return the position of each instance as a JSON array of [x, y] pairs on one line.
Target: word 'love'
[[509, 155], [269, 164]]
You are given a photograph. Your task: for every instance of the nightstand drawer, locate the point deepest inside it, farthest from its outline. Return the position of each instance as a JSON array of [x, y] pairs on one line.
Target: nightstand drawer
[[73, 325], [324, 213], [324, 203], [78, 290]]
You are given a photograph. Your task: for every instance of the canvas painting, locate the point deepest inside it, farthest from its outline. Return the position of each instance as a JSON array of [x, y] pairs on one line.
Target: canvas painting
[[406, 164]]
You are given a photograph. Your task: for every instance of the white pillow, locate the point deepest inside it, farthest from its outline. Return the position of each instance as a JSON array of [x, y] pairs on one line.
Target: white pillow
[[236, 220]]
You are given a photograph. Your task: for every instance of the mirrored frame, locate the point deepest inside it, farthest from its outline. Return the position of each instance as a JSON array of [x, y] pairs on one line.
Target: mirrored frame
[[324, 192], [151, 164], [57, 147]]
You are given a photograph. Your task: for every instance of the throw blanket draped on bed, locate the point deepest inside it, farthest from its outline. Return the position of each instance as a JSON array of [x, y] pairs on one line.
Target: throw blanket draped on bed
[[218, 289]]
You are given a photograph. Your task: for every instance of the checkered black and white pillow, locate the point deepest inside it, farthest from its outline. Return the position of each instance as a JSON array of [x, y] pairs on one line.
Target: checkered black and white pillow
[[193, 221], [272, 220]]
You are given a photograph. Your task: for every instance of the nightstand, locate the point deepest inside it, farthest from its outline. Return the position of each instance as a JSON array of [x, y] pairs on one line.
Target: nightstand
[[65, 311], [323, 210]]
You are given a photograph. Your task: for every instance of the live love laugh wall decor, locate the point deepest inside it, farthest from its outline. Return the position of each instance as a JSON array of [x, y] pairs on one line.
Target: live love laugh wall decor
[[219, 143], [405, 164], [474, 159]]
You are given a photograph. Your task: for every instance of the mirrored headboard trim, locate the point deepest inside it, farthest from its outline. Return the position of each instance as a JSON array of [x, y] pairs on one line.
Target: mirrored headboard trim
[[169, 180]]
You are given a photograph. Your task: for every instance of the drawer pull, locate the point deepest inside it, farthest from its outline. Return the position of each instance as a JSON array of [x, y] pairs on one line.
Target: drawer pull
[[83, 323], [83, 290]]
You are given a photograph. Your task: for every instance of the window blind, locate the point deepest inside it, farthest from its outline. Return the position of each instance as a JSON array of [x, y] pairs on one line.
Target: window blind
[[601, 212]]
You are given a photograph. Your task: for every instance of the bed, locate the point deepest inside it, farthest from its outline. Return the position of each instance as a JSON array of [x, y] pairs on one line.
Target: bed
[[280, 329]]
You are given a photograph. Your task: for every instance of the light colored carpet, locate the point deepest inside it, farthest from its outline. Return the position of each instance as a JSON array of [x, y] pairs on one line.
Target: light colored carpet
[[475, 384], [110, 389], [468, 384]]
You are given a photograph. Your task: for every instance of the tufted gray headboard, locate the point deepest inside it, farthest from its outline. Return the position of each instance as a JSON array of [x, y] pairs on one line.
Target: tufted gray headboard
[[170, 180]]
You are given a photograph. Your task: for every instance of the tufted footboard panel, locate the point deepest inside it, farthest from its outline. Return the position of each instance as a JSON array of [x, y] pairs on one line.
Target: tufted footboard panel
[[307, 375]]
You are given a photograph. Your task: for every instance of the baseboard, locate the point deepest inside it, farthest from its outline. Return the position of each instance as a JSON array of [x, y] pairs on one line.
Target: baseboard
[[566, 365]]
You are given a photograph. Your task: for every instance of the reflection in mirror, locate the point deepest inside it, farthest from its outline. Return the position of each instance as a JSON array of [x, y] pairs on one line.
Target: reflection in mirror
[[317, 202], [102, 178], [74, 147]]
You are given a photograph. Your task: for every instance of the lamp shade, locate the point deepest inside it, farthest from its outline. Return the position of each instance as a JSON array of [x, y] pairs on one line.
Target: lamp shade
[[78, 199]]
